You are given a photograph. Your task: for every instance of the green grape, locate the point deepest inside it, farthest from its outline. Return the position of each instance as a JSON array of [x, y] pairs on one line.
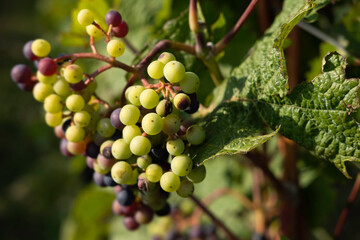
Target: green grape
[[40, 47], [174, 71], [129, 114], [171, 124], [115, 48], [127, 93], [75, 103], [120, 149], [170, 182], [181, 165], [140, 145], [190, 83], [149, 98], [121, 172], [166, 57], [75, 134], [186, 188], [143, 161], [45, 79], [195, 134], [53, 119], [53, 104], [129, 132], [156, 69], [133, 94], [152, 123], [153, 172], [197, 174], [164, 108], [134, 177], [82, 119], [105, 128], [73, 73], [175, 147], [85, 17], [41, 91], [94, 32], [62, 88], [100, 170], [182, 101]]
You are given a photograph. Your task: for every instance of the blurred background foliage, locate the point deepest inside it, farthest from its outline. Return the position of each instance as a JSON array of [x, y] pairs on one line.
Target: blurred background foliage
[[47, 196]]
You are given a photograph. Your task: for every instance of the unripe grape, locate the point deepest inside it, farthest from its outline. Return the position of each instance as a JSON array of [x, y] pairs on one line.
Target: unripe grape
[[82, 118], [113, 17], [140, 145], [94, 32], [40, 47], [164, 108], [21, 73], [104, 127], [75, 134], [156, 69], [134, 177], [85, 17], [143, 161], [46, 79], [169, 182], [53, 104], [73, 73], [133, 94], [47, 66], [153, 172], [182, 101], [129, 132], [121, 30], [75, 103], [149, 98], [115, 47], [41, 91], [121, 172], [171, 124], [181, 165], [186, 188], [152, 124], [175, 147], [53, 119], [166, 57], [62, 88], [190, 83], [195, 134], [129, 114], [105, 163], [197, 174], [174, 71], [120, 149]]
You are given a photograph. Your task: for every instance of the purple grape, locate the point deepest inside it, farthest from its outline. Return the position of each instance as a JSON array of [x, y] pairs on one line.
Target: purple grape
[[21, 73], [117, 134], [130, 223], [109, 181], [28, 52], [77, 87], [121, 30], [63, 148], [115, 119], [194, 105], [159, 153], [113, 17], [47, 66], [92, 150], [99, 179], [27, 86]]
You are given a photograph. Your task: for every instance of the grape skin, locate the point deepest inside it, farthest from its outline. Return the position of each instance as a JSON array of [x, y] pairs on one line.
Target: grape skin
[[166, 57], [75, 103], [197, 175], [133, 94], [175, 147], [190, 83], [75, 134], [82, 118], [153, 172], [53, 104], [120, 149], [73, 73], [171, 124], [45, 79], [41, 91], [113, 17], [140, 145], [195, 134], [104, 127], [115, 48], [21, 73], [121, 30], [94, 32], [121, 172], [174, 71], [129, 114], [85, 17], [156, 69], [40, 47], [149, 98], [152, 123], [62, 88], [181, 165], [53, 119], [129, 132], [169, 182]]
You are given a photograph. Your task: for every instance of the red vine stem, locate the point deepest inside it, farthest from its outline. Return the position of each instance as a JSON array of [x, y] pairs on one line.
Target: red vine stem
[[345, 211], [220, 46], [200, 47], [102, 30]]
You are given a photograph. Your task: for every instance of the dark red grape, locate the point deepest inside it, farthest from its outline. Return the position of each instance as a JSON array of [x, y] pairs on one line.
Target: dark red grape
[[28, 52], [113, 17], [121, 30], [47, 66], [130, 223], [92, 150], [21, 73], [27, 86]]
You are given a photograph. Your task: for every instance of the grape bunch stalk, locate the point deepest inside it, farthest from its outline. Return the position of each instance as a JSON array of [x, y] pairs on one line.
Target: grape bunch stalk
[[139, 146]]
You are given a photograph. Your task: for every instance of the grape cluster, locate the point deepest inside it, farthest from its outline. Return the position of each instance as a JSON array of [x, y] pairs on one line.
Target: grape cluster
[[139, 148]]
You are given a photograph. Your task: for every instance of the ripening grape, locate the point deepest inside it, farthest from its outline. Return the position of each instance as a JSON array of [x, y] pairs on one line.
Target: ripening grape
[[190, 83], [152, 123], [144, 215], [143, 161], [62, 88], [97, 168], [28, 52], [166, 57], [170, 182], [47, 66], [171, 124], [149, 98], [194, 105], [41, 91], [82, 118], [115, 47], [53, 104], [129, 114], [164, 108], [174, 71], [133, 94], [121, 30], [53, 119], [195, 134], [21, 73], [153, 172], [156, 69], [140, 145], [120, 149], [130, 223], [75, 103], [181, 165], [175, 147], [45, 79], [197, 174], [129, 132], [104, 127], [76, 148], [113, 17], [75, 134], [94, 32], [182, 101], [115, 119], [40, 47], [73, 73], [186, 188], [121, 172], [104, 162], [85, 17], [105, 148]]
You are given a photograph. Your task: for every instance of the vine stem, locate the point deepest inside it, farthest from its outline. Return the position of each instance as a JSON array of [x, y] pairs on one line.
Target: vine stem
[[345, 211], [216, 221], [220, 46], [200, 47]]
